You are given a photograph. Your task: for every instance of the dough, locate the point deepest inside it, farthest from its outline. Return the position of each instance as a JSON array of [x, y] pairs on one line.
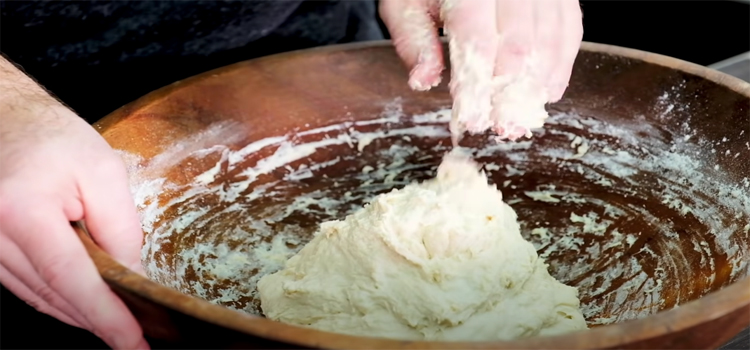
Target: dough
[[508, 105], [439, 260]]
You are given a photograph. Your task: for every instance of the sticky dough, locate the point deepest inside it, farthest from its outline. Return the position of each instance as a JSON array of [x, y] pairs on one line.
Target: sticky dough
[[511, 104], [439, 260]]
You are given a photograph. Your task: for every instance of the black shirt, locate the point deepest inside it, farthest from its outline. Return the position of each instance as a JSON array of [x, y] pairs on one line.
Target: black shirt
[[98, 55]]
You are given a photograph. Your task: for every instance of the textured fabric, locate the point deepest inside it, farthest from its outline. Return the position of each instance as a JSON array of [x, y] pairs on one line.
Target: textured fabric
[[98, 55]]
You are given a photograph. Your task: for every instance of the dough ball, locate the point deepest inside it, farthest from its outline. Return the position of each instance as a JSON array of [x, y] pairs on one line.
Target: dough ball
[[439, 260]]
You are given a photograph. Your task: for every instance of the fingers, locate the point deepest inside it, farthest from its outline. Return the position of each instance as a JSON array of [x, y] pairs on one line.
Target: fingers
[[570, 37], [23, 292], [20, 277], [514, 94], [509, 57], [415, 36], [473, 50], [546, 39], [516, 28], [64, 265], [111, 217], [539, 40]]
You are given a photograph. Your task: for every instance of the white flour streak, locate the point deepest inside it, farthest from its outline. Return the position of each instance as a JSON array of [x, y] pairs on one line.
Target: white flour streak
[[244, 209]]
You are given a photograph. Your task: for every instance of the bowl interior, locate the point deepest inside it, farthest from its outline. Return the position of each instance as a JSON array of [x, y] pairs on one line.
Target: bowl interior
[[636, 191]]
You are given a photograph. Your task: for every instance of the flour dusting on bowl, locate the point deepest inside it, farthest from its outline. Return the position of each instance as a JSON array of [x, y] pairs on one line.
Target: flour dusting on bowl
[[636, 215]]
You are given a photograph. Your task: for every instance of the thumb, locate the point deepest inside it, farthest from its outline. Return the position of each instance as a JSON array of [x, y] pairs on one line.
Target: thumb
[[412, 27], [110, 215]]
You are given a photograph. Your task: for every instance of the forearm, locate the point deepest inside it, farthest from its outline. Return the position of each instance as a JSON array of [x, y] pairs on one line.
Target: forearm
[[25, 106], [15, 86]]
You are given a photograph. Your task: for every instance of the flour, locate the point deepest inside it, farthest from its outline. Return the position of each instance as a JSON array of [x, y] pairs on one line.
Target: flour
[[242, 224], [543, 196]]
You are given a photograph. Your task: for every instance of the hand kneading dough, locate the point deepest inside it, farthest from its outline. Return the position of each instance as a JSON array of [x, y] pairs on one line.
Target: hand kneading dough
[[440, 260]]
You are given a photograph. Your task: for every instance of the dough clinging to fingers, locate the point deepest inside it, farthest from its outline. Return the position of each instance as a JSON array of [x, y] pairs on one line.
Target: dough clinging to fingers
[[535, 43], [509, 58]]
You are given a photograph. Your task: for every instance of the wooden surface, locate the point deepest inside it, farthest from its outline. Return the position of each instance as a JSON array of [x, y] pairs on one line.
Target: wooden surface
[[355, 82]]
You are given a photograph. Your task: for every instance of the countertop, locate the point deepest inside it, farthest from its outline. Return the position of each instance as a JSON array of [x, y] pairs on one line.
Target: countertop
[[738, 66]]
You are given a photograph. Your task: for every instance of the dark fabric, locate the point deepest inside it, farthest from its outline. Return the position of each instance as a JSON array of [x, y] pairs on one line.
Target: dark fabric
[[98, 55]]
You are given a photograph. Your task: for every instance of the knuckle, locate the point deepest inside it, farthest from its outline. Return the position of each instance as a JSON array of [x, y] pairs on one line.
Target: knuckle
[[55, 270], [46, 294], [111, 166], [39, 305], [515, 48], [34, 297]]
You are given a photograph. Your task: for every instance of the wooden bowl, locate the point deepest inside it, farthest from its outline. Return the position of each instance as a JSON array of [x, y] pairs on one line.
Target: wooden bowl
[[636, 191]]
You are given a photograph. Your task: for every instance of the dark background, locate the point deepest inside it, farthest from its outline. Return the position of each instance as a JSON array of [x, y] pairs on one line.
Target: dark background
[[702, 32]]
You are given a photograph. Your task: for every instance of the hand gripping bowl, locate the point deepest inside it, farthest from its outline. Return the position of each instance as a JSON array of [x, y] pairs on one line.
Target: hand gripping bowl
[[637, 191]]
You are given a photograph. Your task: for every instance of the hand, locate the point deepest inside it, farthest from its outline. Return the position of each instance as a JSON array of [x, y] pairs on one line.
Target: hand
[[508, 57], [57, 169]]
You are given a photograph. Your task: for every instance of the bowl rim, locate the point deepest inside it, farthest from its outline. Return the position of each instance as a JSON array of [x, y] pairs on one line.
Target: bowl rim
[[709, 307]]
